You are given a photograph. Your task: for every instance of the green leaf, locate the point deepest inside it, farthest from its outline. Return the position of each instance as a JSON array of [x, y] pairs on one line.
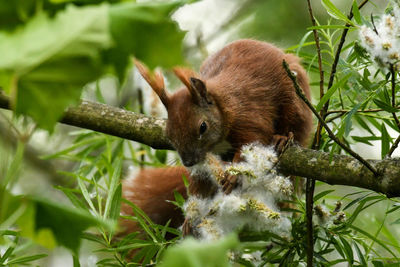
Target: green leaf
[[185, 181], [7, 253], [363, 124], [334, 12], [385, 106], [11, 175], [66, 223], [193, 253], [332, 90], [179, 199], [396, 222], [13, 13], [362, 139], [378, 264], [8, 232], [161, 156], [327, 27], [44, 38], [26, 259], [347, 120], [86, 194], [116, 203], [322, 194], [145, 30], [302, 41], [72, 197], [395, 207], [367, 234], [360, 254], [356, 13], [52, 58], [347, 249], [113, 201], [137, 244]]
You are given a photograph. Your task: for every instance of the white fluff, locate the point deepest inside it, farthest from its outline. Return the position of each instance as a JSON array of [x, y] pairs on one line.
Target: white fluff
[[251, 205], [384, 44]]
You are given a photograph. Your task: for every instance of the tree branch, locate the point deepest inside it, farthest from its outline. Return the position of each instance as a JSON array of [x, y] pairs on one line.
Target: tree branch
[[342, 170], [317, 165], [118, 122]]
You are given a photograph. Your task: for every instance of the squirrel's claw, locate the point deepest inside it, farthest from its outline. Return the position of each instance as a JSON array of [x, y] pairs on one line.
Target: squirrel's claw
[[281, 142], [229, 183]]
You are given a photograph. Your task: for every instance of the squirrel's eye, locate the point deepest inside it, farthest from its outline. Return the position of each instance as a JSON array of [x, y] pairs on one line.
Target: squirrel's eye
[[203, 127]]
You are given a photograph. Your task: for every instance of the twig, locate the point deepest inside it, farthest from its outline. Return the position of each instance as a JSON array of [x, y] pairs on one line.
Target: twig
[[394, 146], [335, 117], [344, 111], [310, 184], [340, 113], [300, 93], [393, 81], [333, 69], [321, 72], [373, 25]]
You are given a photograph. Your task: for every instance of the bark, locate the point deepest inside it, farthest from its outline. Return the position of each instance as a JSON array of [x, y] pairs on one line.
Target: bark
[[318, 165], [342, 170], [113, 121], [118, 122]]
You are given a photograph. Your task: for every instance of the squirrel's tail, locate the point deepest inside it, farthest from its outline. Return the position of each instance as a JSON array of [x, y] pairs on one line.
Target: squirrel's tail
[[150, 190]]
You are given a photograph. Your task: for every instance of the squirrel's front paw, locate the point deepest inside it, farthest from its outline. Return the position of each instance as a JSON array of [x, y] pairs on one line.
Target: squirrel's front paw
[[186, 228], [280, 142], [229, 183]]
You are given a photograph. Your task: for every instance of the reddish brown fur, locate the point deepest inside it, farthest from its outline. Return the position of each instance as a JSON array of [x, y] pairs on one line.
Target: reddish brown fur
[[150, 190], [255, 95], [249, 98], [252, 99]]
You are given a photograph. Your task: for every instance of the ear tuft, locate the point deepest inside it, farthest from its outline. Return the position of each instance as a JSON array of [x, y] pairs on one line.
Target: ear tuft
[[184, 74], [155, 80]]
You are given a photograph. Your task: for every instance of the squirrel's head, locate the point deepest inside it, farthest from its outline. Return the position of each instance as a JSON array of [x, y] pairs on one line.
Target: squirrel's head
[[194, 124]]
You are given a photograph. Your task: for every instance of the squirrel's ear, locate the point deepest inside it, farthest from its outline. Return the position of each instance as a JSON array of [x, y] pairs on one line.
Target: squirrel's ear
[[201, 90], [155, 80]]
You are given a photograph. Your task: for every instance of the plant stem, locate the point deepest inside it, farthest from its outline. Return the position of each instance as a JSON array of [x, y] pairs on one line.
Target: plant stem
[[393, 82], [300, 93], [310, 184]]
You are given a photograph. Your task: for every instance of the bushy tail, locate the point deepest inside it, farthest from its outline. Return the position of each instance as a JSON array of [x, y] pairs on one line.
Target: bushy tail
[[150, 190]]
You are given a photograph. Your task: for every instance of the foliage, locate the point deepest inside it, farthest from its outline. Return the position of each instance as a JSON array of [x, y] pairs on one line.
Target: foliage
[[52, 56], [51, 52]]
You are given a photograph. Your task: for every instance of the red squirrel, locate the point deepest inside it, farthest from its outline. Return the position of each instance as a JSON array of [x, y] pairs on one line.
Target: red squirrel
[[241, 95]]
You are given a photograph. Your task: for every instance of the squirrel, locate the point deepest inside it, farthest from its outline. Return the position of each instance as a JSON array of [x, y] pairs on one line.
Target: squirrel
[[241, 95]]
